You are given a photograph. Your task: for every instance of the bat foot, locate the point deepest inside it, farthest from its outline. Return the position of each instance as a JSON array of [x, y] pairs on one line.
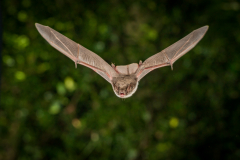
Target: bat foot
[[140, 63]]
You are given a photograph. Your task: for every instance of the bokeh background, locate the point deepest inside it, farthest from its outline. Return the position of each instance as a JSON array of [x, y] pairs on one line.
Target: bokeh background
[[50, 110]]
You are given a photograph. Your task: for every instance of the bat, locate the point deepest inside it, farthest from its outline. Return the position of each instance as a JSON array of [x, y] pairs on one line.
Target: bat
[[123, 78]]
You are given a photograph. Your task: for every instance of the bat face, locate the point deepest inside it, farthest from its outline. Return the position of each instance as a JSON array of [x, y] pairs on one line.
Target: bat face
[[125, 86]]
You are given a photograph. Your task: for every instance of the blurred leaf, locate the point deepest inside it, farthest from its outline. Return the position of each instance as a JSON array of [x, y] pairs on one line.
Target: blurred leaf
[[55, 108], [19, 75]]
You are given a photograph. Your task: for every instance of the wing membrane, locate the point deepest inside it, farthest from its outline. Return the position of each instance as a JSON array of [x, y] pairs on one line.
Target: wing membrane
[[169, 55], [76, 52]]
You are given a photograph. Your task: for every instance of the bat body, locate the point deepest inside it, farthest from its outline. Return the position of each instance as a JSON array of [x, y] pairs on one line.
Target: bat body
[[124, 79]]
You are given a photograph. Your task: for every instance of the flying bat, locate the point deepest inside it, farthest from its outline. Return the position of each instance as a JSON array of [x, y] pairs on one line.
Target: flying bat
[[124, 79]]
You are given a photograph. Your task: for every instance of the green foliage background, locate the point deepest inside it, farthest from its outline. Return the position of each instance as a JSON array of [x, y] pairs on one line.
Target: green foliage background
[[50, 110]]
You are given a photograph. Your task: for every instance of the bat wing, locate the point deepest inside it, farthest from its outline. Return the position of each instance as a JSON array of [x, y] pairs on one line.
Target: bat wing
[[169, 55], [76, 52]]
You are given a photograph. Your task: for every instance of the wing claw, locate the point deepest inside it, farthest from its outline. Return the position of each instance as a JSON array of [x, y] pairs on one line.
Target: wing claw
[[113, 65], [75, 64], [171, 65]]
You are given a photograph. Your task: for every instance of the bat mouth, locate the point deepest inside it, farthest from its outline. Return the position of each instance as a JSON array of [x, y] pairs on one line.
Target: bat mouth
[[121, 94]]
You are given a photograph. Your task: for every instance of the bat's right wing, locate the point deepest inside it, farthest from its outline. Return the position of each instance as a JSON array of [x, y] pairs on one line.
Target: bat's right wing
[[76, 52], [169, 55]]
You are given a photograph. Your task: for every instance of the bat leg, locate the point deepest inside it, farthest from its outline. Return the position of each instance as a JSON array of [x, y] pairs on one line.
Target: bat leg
[[140, 63]]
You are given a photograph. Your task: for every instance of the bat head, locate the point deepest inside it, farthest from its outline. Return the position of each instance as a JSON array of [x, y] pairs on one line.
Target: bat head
[[124, 86]]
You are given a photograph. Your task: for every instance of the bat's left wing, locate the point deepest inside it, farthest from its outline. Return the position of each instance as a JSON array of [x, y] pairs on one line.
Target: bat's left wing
[[169, 55], [76, 52]]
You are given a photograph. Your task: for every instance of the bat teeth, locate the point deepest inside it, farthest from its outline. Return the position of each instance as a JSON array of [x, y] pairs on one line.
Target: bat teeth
[[122, 94]]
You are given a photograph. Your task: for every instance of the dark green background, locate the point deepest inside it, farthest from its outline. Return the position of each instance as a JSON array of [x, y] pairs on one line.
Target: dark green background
[[50, 110]]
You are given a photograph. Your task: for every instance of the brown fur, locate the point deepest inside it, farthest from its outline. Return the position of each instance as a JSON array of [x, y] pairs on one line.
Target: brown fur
[[124, 84]]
